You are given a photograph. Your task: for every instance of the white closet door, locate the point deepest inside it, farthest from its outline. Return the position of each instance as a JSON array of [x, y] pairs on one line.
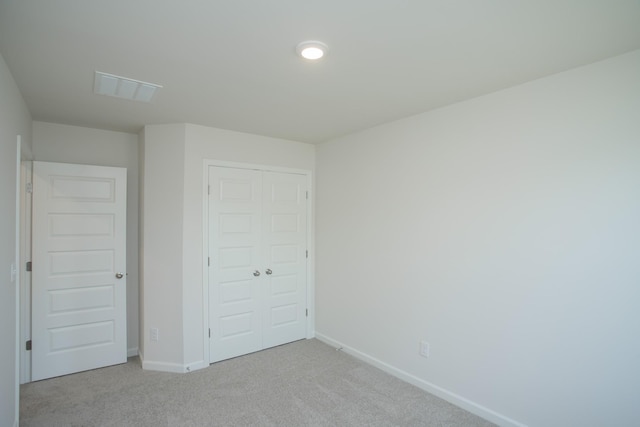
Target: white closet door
[[257, 260], [284, 236], [235, 295], [79, 268]]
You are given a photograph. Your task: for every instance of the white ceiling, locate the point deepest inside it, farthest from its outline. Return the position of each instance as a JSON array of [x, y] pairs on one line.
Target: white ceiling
[[231, 63]]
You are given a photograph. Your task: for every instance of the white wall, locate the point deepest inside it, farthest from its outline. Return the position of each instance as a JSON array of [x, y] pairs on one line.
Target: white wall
[[161, 284], [72, 144], [14, 120], [173, 233], [504, 230], [141, 334]]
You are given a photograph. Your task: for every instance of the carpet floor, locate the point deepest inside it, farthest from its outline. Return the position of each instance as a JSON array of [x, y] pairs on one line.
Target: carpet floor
[[305, 383]]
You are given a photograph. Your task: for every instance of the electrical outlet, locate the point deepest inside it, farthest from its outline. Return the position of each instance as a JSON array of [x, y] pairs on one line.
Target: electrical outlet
[[424, 349], [154, 334]]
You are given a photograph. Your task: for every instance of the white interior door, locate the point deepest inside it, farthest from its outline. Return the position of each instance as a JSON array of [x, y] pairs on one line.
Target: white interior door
[[257, 260], [284, 236], [234, 235], [79, 268]]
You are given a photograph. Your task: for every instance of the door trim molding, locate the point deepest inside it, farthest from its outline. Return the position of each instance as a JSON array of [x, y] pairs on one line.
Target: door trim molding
[[17, 278], [205, 244], [25, 278]]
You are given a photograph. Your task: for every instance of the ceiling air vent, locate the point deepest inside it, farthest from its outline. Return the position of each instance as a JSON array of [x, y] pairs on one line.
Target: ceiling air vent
[[123, 87]]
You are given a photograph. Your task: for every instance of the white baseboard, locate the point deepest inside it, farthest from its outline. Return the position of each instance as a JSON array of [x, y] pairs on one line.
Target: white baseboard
[[175, 368], [447, 395], [132, 352]]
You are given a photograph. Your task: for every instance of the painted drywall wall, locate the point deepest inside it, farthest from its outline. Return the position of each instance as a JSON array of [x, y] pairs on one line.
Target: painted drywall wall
[[217, 144], [141, 141], [72, 144], [161, 286], [503, 230], [14, 120]]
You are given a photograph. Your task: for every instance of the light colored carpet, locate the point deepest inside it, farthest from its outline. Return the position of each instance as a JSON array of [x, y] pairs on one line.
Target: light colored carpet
[[306, 383]]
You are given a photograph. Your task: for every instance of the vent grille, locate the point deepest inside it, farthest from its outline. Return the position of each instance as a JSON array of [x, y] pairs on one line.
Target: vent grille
[[123, 87]]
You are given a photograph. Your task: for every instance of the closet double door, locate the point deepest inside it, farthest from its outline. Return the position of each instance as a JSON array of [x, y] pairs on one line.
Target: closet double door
[[257, 260]]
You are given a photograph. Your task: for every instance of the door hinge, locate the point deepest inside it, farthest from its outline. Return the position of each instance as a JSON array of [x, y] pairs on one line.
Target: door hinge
[[28, 345], [209, 332], [209, 261], [306, 253], [29, 266], [29, 188], [306, 312], [209, 190], [307, 195]]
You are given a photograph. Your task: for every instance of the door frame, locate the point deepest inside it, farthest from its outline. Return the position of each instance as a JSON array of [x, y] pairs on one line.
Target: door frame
[[205, 242], [26, 182], [22, 278]]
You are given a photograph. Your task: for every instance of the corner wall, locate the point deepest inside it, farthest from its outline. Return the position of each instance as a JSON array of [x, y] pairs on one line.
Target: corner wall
[[161, 287], [14, 120], [504, 231], [140, 254]]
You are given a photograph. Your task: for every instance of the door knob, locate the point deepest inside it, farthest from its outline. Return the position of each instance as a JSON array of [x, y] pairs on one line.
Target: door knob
[[119, 275], [256, 273], [268, 271]]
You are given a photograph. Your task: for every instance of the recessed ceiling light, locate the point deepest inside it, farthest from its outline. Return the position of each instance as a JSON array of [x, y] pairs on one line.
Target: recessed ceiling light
[[123, 87], [312, 50]]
